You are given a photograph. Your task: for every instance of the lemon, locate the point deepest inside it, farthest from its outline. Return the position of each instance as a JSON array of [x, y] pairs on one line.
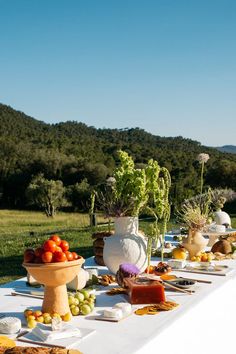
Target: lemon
[[179, 253]]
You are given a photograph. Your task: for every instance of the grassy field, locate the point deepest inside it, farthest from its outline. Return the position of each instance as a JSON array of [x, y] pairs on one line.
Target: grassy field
[[23, 229]]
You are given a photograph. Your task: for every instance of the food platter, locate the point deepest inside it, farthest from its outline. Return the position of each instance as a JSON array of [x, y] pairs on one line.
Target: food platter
[[213, 269]]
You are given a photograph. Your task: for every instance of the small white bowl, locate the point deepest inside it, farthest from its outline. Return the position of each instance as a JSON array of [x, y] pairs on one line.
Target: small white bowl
[[177, 263]]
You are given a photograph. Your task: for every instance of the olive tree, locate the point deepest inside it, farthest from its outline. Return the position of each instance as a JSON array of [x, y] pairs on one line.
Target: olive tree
[[46, 194]]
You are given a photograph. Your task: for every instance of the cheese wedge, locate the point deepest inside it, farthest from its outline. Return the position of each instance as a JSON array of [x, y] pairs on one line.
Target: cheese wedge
[[113, 313], [125, 307]]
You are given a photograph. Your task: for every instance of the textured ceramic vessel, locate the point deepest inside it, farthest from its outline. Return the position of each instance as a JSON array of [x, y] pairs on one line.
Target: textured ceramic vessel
[[79, 282], [55, 276], [222, 218], [125, 246], [194, 243]]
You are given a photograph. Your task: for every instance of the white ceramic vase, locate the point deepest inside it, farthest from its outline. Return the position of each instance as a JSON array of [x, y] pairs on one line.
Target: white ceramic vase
[[222, 218], [125, 246]]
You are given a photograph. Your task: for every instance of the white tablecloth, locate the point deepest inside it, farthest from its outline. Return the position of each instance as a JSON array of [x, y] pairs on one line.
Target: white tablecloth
[[203, 323]]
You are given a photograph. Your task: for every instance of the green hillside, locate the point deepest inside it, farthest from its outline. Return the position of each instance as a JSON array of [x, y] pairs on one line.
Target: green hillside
[[72, 151]]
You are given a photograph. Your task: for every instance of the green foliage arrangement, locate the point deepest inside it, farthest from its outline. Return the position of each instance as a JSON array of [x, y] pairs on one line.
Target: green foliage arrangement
[[131, 190], [158, 187], [125, 194]]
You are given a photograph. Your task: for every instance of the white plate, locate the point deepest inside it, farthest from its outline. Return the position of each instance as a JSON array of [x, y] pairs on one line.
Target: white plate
[[64, 342]]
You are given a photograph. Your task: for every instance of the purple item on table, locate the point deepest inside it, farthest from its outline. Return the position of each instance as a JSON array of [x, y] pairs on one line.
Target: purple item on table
[[126, 270]]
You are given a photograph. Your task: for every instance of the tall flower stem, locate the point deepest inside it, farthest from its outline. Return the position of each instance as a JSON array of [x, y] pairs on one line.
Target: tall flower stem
[[201, 181]]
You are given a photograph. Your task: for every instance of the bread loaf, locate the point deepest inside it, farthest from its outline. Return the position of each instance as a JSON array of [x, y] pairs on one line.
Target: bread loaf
[[98, 245], [98, 242], [222, 246], [98, 251], [99, 260]]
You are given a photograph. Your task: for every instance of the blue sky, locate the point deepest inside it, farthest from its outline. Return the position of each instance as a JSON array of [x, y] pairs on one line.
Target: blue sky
[[168, 66]]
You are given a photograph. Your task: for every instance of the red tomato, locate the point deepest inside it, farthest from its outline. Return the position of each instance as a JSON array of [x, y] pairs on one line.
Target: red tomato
[[69, 256], [75, 255], [56, 239], [49, 246], [59, 257], [38, 252], [150, 269], [64, 245], [58, 249], [29, 255], [47, 257]]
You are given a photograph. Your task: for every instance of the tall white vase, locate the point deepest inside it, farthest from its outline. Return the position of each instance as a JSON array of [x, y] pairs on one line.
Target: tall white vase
[[125, 246], [221, 217]]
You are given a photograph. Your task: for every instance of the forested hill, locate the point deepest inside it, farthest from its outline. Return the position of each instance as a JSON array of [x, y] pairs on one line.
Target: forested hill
[[72, 151], [227, 148]]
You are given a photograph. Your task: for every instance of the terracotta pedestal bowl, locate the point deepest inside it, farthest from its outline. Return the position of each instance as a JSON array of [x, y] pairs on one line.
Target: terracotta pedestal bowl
[[55, 276]]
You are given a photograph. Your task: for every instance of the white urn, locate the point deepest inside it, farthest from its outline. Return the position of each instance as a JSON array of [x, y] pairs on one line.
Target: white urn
[[222, 218], [125, 246]]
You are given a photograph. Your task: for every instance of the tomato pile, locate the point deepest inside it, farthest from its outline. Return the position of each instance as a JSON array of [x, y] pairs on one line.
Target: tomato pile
[[53, 250]]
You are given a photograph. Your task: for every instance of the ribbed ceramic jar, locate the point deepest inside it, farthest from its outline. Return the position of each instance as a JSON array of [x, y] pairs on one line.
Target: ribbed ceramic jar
[[195, 243], [125, 246]]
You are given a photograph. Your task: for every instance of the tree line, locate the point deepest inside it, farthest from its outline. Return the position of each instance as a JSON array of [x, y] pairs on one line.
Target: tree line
[[80, 158]]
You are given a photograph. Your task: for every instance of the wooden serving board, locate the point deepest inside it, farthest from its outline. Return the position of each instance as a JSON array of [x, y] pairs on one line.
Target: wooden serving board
[[109, 319]]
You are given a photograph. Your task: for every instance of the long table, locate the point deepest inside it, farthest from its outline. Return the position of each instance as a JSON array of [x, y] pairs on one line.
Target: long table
[[203, 323]]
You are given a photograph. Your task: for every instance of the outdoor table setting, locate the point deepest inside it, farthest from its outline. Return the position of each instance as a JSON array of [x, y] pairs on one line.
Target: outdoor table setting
[[197, 319], [141, 292]]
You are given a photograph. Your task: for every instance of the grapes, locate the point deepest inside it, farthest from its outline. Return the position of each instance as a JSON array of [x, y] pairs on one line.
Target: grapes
[[71, 300], [85, 293], [75, 311], [82, 302], [85, 309], [76, 301], [79, 296]]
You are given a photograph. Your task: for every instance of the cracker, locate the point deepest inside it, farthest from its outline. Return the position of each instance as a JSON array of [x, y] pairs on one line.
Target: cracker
[[116, 291]]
